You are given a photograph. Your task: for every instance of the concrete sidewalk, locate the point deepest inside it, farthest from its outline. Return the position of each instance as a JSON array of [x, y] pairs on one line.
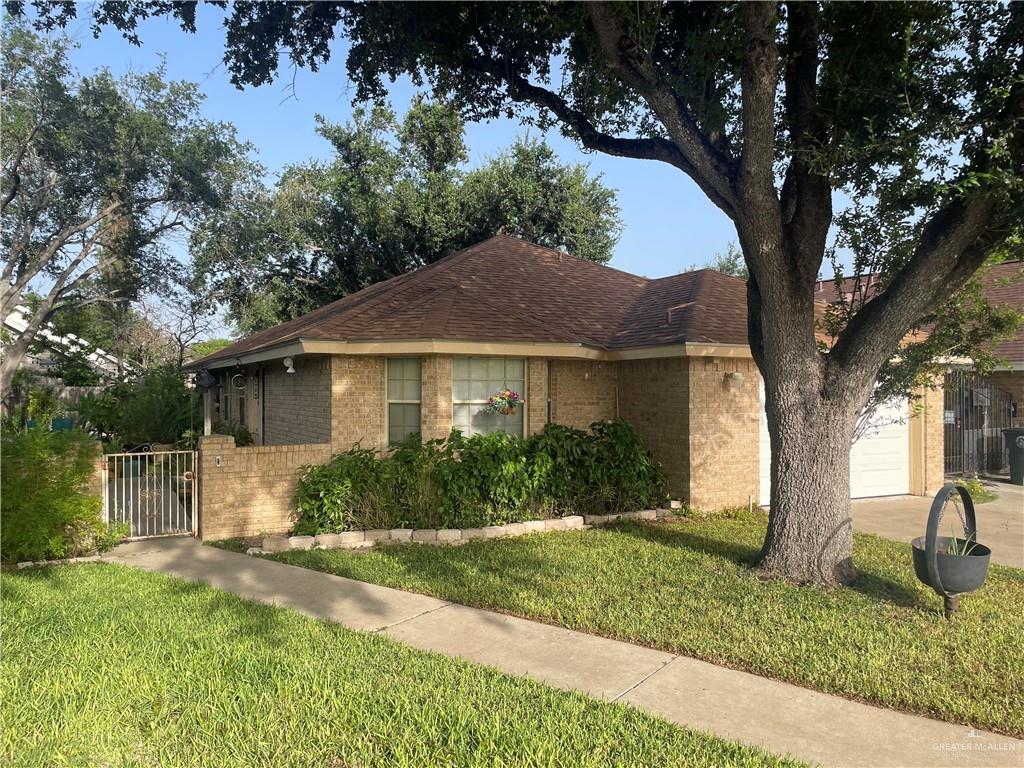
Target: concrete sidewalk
[[782, 718]]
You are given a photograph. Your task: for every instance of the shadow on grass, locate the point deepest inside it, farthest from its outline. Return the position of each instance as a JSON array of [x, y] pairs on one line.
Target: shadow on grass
[[684, 537], [872, 585], [124, 596]]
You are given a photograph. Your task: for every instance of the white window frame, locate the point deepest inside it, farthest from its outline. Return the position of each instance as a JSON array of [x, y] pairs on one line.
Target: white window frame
[[388, 402], [523, 392]]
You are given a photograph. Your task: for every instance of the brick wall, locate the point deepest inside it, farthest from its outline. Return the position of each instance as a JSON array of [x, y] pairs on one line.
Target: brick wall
[[582, 392], [297, 406], [253, 488], [724, 432], [357, 402], [935, 440], [536, 394], [435, 396], [927, 442], [654, 397]]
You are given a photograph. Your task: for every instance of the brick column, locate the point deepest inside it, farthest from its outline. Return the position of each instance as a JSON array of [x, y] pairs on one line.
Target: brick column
[[927, 442], [536, 394], [213, 479], [435, 396]]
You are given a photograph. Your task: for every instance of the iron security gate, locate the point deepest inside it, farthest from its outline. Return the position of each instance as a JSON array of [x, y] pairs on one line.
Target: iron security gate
[[975, 415], [154, 492]]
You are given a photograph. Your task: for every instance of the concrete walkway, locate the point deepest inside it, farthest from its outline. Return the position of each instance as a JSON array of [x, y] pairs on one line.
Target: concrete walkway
[[782, 718], [1000, 522]]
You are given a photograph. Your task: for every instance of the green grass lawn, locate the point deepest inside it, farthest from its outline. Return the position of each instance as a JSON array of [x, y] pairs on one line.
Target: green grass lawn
[[109, 666], [687, 587]]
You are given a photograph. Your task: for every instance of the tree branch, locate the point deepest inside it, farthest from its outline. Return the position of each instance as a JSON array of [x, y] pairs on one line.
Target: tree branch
[[806, 198], [653, 148], [954, 243], [713, 171], [12, 294]]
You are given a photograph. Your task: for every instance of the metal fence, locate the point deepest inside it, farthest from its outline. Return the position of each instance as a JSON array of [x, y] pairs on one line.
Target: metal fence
[[154, 492], [975, 414]]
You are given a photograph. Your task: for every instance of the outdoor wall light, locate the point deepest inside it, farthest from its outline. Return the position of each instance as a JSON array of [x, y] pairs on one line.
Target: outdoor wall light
[[733, 379], [289, 367]]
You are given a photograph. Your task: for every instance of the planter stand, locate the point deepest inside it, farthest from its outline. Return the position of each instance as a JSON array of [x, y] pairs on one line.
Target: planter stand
[[950, 575]]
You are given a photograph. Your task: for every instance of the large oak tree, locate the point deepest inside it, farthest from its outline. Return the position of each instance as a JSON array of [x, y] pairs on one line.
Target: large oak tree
[[98, 173], [908, 115]]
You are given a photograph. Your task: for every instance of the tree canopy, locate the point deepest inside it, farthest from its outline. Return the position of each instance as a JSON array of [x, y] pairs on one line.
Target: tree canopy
[[98, 173], [395, 196]]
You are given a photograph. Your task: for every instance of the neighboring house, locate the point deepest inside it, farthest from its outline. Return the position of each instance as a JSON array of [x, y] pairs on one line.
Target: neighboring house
[[979, 408], [1004, 286], [106, 365], [582, 342], [976, 408]]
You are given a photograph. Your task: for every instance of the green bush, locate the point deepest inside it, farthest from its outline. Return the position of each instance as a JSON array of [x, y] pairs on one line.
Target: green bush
[[156, 408], [465, 482], [47, 511], [240, 432]]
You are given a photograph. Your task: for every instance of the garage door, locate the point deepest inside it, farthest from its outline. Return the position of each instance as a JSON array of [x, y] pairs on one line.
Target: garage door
[[879, 460]]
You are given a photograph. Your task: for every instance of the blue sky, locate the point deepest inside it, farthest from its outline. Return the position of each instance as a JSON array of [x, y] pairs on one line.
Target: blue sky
[[669, 225]]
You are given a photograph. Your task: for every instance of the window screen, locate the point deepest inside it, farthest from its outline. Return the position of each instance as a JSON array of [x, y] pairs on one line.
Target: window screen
[[474, 379], [403, 397]]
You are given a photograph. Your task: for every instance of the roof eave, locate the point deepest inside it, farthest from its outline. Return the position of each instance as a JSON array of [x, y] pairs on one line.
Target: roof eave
[[509, 348]]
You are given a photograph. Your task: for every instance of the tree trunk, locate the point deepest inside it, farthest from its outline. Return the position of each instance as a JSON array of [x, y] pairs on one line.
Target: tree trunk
[[13, 356], [809, 536]]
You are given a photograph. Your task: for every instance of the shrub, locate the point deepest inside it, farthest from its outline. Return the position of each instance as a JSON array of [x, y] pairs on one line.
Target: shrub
[[156, 408], [464, 482], [46, 509], [240, 432], [348, 492]]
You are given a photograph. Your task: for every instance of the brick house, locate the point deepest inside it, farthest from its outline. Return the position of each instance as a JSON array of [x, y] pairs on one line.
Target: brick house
[[581, 341], [1003, 285], [978, 407]]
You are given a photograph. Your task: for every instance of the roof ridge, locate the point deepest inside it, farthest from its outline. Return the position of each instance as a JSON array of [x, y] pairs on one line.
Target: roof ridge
[[416, 276], [573, 256]]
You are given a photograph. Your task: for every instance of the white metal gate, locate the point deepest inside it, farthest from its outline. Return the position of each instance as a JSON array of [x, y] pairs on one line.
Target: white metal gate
[[154, 492]]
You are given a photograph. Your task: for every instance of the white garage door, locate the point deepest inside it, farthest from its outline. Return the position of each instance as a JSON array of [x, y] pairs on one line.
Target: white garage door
[[879, 460]]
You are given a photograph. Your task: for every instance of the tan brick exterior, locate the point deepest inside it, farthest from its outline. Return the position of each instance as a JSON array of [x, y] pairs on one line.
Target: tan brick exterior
[[701, 424], [927, 442], [296, 406], [654, 397], [435, 396], [252, 490], [723, 433], [537, 369], [582, 392], [358, 402]]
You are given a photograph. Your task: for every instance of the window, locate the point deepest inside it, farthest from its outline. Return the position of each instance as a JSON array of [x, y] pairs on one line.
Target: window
[[474, 379], [403, 397]]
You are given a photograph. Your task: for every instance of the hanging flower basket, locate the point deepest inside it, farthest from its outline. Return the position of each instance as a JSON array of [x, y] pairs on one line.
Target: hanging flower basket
[[504, 402]]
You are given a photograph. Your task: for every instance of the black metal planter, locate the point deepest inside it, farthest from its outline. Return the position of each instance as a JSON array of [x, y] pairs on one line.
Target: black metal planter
[[951, 575]]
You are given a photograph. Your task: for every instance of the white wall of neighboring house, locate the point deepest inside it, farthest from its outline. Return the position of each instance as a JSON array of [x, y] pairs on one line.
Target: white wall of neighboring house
[[104, 363]]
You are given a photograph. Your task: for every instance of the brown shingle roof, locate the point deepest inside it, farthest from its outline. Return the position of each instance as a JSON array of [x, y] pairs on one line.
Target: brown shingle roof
[[1003, 285], [510, 290]]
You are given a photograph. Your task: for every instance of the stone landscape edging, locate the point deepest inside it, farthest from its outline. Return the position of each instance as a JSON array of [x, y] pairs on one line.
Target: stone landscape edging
[[447, 536], [46, 563]]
